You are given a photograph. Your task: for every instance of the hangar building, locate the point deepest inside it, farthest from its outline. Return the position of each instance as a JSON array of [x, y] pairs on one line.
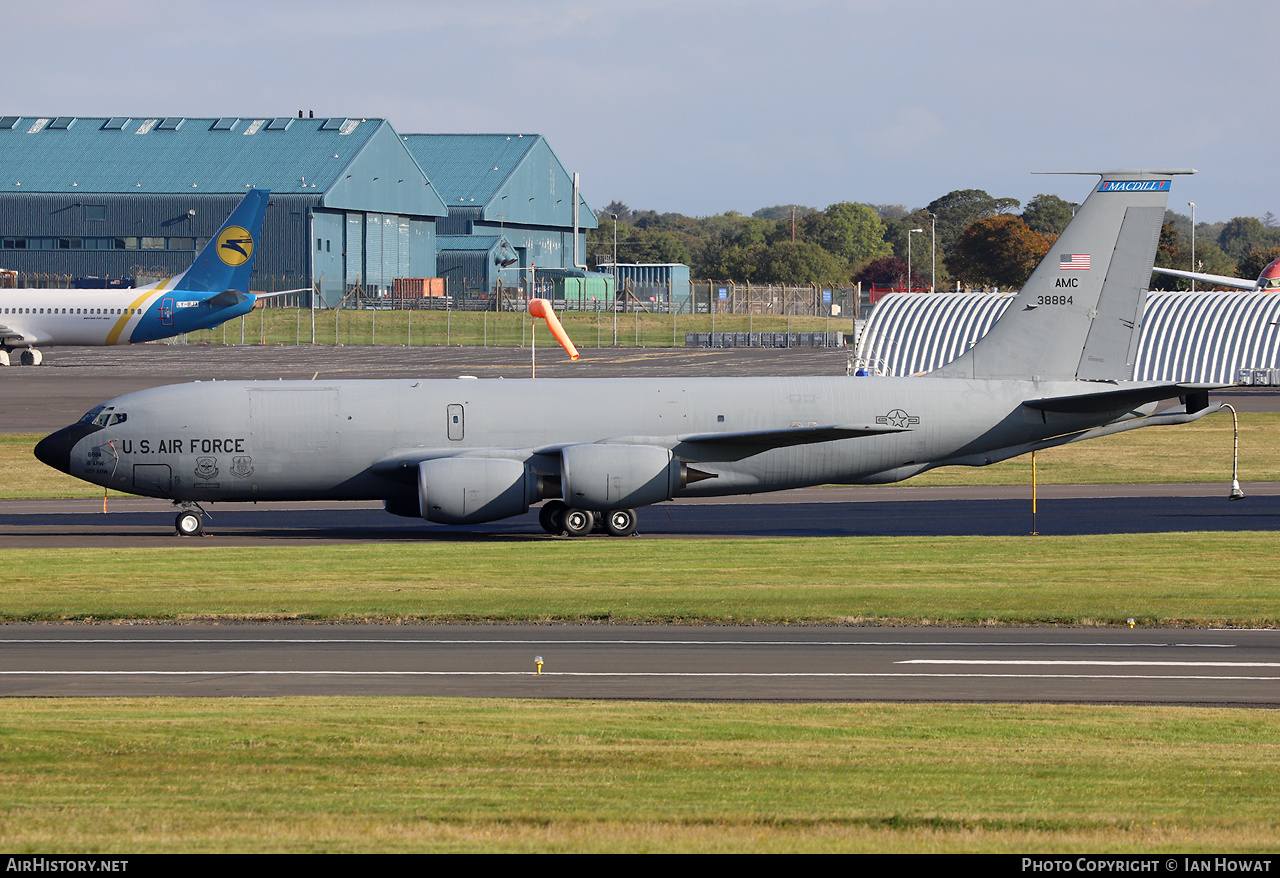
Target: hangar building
[[352, 204], [1207, 337], [123, 196], [511, 206]]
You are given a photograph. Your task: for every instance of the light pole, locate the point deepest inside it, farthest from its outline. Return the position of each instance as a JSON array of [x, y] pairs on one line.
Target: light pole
[[933, 251], [910, 232], [614, 305], [1192, 205]]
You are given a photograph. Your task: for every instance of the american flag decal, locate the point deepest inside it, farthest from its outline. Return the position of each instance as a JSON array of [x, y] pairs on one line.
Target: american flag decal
[[1073, 262]]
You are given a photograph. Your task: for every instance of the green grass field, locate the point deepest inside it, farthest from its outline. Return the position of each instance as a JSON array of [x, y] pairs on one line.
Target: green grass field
[[1220, 579], [466, 775], [490, 328]]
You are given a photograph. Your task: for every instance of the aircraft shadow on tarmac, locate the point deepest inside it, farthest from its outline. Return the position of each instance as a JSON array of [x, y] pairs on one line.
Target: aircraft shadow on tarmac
[[1109, 515]]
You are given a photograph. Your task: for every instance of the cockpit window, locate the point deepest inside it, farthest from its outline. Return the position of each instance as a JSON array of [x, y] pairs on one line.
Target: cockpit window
[[104, 416]]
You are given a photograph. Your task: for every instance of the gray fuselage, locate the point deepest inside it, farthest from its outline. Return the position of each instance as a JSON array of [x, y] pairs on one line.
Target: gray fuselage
[[355, 440]]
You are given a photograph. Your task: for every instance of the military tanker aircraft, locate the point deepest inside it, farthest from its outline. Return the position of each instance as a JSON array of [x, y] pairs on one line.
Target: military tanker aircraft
[[1055, 369]]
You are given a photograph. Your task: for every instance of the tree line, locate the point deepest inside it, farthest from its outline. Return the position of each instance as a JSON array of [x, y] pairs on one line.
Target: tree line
[[981, 242]]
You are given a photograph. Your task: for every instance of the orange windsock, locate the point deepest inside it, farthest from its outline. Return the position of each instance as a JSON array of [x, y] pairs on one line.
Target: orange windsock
[[542, 308]]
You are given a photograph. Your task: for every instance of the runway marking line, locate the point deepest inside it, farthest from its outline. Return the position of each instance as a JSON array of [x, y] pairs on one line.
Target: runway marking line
[[616, 674], [599, 642], [1091, 662]]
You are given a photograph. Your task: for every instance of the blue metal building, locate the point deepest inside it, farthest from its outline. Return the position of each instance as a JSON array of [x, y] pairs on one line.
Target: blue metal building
[[651, 284], [354, 203], [122, 196], [511, 204]]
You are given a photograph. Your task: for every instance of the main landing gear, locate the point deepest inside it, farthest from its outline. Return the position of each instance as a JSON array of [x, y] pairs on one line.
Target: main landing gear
[[29, 357], [557, 517], [190, 521]]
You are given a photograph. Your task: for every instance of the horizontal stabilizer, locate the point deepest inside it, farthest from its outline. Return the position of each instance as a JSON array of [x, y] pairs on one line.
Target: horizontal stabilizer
[[1119, 399], [227, 298], [260, 296], [1218, 280]]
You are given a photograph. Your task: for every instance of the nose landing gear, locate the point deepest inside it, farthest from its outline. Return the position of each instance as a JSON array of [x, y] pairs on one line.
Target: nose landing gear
[[190, 520]]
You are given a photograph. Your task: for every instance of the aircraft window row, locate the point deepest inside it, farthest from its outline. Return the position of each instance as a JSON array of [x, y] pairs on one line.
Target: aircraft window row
[[73, 310], [104, 243]]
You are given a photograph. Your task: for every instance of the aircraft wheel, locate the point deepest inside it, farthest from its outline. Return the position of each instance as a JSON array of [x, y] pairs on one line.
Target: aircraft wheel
[[621, 522], [31, 357], [189, 524], [551, 516], [4, 358], [578, 522]]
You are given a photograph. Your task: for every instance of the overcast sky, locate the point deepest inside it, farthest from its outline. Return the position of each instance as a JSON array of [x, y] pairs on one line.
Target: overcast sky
[[703, 106]]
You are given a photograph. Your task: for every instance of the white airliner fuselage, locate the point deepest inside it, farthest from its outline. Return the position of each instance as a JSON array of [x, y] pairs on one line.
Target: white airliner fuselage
[[213, 290]]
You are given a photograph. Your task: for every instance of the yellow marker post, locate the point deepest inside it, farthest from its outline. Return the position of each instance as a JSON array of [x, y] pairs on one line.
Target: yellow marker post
[[538, 661], [1034, 532]]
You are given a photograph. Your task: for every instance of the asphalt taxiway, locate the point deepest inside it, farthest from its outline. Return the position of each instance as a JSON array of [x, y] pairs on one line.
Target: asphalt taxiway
[[712, 663], [810, 512]]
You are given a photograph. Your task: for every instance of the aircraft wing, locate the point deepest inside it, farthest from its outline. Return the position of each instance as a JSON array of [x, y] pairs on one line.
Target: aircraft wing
[[227, 298], [1119, 398], [737, 445], [689, 447], [283, 293], [9, 332], [1235, 283]]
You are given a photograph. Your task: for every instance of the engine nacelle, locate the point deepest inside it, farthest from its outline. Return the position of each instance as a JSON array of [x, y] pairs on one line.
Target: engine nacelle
[[470, 490], [604, 477]]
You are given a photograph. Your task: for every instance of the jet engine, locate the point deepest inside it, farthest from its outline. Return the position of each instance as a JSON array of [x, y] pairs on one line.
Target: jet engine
[[604, 477], [469, 490]]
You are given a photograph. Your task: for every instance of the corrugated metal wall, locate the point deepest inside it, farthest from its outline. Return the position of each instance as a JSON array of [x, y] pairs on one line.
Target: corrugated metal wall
[[1208, 336], [282, 252], [1185, 336]]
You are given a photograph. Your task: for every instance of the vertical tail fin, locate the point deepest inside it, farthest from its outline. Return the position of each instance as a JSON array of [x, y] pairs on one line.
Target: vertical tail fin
[[1078, 315], [226, 261]]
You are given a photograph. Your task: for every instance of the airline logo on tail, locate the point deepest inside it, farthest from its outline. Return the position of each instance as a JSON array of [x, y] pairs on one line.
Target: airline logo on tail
[[235, 246]]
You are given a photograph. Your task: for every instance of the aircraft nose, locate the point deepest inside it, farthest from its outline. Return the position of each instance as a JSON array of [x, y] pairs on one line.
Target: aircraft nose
[[55, 449]]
